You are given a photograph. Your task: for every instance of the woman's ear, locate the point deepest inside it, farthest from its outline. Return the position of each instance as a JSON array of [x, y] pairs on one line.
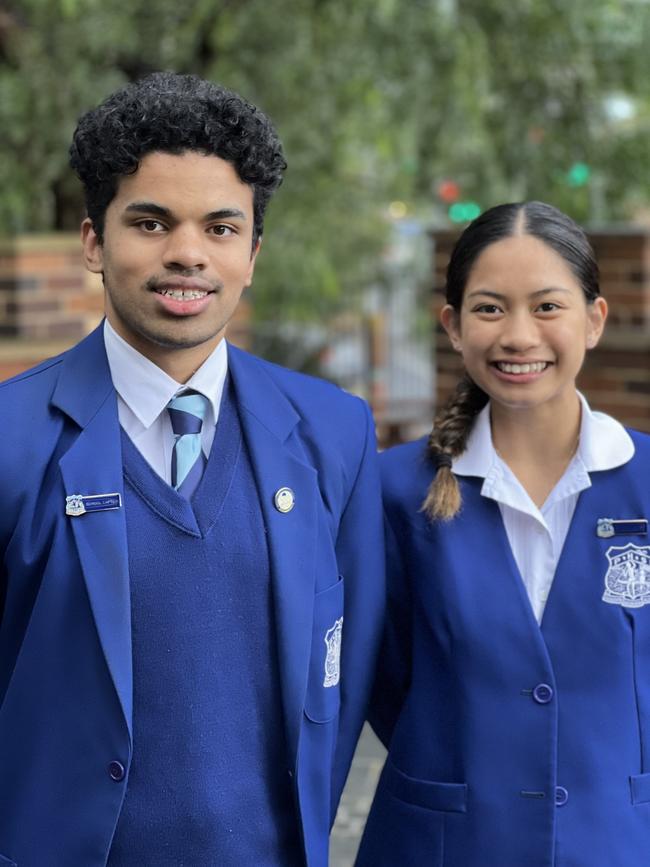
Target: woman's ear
[[596, 317], [450, 321]]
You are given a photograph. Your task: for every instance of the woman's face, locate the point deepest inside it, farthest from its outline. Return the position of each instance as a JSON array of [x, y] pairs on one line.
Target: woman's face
[[524, 324]]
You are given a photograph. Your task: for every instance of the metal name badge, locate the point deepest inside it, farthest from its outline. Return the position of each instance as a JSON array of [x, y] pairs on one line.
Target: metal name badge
[[79, 504], [608, 527]]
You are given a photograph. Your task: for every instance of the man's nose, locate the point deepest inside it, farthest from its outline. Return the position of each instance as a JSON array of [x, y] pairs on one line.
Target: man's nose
[[186, 248]]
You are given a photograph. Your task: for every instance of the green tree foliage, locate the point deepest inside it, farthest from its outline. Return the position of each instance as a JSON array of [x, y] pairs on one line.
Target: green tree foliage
[[376, 100]]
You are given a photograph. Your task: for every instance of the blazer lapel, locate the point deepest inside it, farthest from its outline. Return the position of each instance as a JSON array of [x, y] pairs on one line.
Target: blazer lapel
[[93, 465], [269, 421]]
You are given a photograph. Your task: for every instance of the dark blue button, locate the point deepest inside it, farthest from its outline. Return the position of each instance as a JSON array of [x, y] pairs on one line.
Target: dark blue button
[[543, 693], [116, 771], [561, 796]]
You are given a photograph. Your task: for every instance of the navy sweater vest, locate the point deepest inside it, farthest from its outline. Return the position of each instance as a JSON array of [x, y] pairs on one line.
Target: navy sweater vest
[[208, 783]]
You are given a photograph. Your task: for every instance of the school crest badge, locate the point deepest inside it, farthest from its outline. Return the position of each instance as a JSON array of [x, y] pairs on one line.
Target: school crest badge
[[627, 581], [333, 656], [74, 505]]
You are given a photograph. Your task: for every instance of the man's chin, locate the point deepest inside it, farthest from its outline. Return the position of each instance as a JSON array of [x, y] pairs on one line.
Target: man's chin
[[178, 341]]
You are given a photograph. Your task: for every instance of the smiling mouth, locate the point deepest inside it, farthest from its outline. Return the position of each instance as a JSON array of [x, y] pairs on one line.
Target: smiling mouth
[[182, 294], [532, 367]]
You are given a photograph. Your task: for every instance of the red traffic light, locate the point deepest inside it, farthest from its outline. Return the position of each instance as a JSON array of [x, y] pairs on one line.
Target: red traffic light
[[448, 191]]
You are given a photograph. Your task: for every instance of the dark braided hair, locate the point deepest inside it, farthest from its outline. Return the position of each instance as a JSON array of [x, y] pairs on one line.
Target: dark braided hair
[[171, 113], [454, 423]]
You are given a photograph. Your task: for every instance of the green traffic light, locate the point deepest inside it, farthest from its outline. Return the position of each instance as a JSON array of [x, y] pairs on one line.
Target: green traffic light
[[463, 212], [578, 175]]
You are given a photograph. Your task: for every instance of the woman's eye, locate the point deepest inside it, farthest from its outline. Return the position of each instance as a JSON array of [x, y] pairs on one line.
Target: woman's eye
[[548, 307], [487, 308]]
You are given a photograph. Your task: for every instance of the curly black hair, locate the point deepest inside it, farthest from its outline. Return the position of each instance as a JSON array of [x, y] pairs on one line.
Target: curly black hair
[[172, 113]]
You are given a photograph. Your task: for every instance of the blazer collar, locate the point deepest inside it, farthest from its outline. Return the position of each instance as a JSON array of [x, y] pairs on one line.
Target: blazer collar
[[258, 394], [85, 383], [279, 461], [85, 380]]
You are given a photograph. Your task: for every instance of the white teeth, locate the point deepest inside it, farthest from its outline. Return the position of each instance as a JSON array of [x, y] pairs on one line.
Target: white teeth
[[183, 294], [535, 367]]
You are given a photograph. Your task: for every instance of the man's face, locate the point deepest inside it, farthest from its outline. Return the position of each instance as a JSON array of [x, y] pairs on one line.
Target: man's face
[[176, 256]]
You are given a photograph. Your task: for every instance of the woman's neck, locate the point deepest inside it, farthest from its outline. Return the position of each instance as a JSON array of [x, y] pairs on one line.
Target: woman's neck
[[538, 443]]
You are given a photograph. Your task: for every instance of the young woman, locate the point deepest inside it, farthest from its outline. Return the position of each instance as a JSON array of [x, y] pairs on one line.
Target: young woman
[[514, 688]]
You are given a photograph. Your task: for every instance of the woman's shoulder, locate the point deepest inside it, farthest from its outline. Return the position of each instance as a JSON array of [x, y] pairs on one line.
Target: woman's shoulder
[[641, 442], [406, 472], [410, 456]]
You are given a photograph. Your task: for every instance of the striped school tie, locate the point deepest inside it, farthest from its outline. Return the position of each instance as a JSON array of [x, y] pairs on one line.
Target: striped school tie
[[187, 412]]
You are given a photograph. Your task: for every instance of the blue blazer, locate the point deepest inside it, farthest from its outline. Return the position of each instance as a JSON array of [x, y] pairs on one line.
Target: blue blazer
[[65, 640], [511, 744]]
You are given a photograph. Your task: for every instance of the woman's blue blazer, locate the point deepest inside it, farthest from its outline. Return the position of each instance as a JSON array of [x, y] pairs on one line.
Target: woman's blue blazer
[[513, 744]]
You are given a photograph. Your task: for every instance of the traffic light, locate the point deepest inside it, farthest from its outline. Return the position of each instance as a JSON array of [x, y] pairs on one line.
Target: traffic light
[[463, 212], [578, 175], [448, 191]]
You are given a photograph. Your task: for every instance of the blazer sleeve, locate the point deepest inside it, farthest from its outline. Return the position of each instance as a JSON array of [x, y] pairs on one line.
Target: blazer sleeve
[[393, 672], [360, 555]]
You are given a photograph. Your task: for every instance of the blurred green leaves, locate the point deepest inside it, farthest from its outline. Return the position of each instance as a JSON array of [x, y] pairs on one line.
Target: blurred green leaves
[[375, 100]]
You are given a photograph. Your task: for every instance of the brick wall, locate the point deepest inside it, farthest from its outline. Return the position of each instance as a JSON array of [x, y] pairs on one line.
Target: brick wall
[[48, 300], [45, 292], [616, 375]]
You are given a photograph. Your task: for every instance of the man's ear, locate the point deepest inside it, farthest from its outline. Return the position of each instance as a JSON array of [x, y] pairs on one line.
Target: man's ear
[[251, 265], [450, 321], [93, 252]]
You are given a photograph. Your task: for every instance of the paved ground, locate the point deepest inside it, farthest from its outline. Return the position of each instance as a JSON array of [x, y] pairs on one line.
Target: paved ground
[[351, 817]]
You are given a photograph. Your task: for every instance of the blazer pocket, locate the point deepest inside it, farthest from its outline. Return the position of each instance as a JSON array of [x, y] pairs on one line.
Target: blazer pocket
[[640, 788], [323, 691], [445, 797]]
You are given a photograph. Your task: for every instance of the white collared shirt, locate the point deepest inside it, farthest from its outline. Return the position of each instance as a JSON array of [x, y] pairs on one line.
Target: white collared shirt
[[144, 390], [537, 535]]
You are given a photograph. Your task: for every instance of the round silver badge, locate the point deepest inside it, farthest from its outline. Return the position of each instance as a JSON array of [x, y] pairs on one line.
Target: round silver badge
[[284, 500]]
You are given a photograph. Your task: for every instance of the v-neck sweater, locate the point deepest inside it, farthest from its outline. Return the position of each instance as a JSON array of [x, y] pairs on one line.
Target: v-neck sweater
[[207, 784]]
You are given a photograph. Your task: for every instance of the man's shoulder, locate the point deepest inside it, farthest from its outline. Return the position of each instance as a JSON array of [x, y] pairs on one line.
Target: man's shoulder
[[309, 395], [335, 427], [30, 382]]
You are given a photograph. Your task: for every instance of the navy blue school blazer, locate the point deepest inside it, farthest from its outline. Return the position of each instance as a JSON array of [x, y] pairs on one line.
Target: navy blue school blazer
[[65, 639], [511, 744]]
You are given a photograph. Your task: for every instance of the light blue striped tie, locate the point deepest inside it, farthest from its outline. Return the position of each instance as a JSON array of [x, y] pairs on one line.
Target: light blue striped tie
[[187, 412]]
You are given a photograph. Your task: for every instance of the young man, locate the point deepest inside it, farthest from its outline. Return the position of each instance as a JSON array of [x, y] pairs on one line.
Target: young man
[[191, 564]]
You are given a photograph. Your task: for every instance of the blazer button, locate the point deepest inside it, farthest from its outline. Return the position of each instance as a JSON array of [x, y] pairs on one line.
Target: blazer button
[[561, 796], [116, 771], [543, 693]]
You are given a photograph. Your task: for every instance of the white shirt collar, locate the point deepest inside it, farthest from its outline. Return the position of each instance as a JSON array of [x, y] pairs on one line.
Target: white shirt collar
[[604, 444], [146, 389]]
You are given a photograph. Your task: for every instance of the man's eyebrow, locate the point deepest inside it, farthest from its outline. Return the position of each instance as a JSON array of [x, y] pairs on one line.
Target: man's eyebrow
[[151, 208], [225, 214], [148, 208]]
